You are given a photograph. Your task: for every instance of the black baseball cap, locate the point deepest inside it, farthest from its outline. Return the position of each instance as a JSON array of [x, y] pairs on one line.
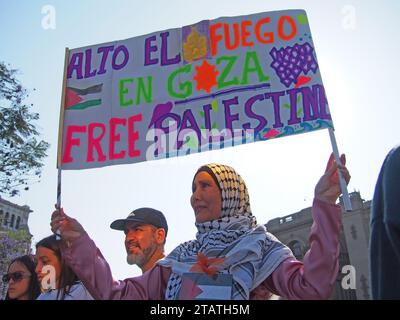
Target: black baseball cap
[[145, 216]]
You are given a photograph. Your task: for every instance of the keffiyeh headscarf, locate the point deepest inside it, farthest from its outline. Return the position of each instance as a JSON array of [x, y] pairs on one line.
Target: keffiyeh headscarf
[[250, 254]]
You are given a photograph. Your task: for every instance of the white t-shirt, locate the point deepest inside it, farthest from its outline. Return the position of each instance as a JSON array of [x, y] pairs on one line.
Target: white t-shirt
[[77, 292]]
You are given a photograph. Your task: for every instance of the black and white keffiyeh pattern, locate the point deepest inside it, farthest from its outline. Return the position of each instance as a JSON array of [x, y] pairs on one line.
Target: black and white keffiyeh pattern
[[250, 253]]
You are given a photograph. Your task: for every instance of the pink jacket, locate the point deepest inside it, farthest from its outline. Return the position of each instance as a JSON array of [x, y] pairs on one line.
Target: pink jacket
[[314, 278]]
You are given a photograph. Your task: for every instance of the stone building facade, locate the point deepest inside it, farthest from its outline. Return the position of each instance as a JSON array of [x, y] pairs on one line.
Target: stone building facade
[[294, 229], [13, 219]]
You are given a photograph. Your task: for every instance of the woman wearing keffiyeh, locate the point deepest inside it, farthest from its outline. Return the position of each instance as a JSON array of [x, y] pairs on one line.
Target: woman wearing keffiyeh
[[226, 230], [232, 256]]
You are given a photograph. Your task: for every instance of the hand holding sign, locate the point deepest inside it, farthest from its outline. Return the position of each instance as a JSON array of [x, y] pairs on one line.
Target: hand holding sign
[[68, 228], [328, 187]]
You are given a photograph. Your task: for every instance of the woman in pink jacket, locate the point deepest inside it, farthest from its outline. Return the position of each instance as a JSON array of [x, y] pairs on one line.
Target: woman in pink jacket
[[232, 256]]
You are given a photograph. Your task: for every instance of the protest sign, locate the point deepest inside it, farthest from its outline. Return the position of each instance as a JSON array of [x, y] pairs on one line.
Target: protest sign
[[214, 84]]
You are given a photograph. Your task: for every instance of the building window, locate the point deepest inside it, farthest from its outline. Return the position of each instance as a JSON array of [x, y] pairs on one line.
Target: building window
[[353, 232], [18, 223], [297, 249], [6, 219], [12, 221]]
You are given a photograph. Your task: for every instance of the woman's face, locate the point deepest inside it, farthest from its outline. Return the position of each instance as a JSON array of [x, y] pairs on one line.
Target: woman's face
[[47, 264], [19, 279], [206, 198]]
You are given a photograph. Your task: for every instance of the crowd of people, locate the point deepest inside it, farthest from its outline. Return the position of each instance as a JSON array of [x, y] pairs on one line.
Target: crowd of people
[[231, 254]]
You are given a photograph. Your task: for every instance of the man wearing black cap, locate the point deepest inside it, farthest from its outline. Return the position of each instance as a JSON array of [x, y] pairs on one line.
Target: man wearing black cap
[[145, 233]]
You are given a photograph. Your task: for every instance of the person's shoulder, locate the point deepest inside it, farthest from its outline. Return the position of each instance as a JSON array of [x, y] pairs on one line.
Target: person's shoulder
[[160, 269], [396, 149], [48, 295], [393, 156], [79, 292], [391, 166]]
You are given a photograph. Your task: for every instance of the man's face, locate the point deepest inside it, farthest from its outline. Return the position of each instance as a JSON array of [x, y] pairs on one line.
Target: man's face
[[140, 242]]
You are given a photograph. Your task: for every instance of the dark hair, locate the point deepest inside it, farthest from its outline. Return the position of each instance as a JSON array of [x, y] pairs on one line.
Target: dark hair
[[34, 288], [67, 277]]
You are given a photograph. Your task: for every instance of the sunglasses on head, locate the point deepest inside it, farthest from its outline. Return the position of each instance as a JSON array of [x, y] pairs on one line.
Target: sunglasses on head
[[15, 276]]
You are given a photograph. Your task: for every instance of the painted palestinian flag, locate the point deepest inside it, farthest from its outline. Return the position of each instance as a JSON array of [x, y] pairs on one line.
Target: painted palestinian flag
[[80, 99], [200, 286]]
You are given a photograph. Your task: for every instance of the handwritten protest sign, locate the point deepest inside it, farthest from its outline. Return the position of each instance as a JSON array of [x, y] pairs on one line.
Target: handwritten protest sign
[[210, 85]]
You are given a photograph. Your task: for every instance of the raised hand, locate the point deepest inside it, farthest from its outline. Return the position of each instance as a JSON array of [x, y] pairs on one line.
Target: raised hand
[[69, 228], [328, 187]]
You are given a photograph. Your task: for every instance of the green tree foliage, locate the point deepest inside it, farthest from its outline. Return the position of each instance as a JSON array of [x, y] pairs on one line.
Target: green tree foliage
[[21, 151]]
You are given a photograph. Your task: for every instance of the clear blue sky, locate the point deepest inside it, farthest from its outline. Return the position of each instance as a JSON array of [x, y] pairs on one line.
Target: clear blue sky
[[359, 67]]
